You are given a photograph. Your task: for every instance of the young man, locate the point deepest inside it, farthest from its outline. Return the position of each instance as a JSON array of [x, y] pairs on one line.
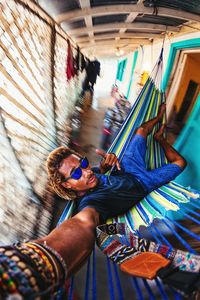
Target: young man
[[97, 196]]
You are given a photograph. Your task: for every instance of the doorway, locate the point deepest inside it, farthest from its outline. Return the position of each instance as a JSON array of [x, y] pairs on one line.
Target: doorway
[[183, 93]]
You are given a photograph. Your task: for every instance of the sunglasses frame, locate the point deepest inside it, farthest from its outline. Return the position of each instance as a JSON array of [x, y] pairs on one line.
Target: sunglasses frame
[[79, 167]]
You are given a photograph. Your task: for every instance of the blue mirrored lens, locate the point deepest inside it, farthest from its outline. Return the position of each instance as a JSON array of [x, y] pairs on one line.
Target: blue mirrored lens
[[84, 163], [77, 173]]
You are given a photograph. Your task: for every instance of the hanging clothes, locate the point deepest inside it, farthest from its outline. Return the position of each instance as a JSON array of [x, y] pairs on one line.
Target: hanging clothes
[[77, 61], [83, 62], [70, 71], [92, 71]]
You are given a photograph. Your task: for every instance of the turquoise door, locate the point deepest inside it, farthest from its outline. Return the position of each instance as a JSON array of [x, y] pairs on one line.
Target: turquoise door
[[188, 144]]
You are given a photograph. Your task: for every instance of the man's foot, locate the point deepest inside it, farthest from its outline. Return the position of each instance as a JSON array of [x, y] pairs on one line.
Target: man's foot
[[147, 127], [161, 111], [158, 136]]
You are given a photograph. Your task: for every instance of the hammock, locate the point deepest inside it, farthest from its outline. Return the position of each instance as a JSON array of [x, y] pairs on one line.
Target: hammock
[[164, 206]]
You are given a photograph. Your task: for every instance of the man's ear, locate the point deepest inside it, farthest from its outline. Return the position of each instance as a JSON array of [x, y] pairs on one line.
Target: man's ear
[[67, 185]]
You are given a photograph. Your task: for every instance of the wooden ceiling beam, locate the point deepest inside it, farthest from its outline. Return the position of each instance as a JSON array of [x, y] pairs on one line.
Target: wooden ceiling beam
[[115, 26], [88, 18], [134, 35], [108, 51], [111, 49], [113, 43], [125, 9], [131, 17]]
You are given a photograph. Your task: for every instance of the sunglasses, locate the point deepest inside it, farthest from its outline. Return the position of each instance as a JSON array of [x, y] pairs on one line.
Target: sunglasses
[[77, 172]]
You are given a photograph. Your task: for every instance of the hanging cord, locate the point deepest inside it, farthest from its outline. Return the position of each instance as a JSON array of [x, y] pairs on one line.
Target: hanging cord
[[161, 79], [155, 8], [142, 48], [159, 65], [163, 45]]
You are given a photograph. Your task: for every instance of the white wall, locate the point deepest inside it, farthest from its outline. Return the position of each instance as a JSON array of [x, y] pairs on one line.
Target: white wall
[[124, 84], [147, 57], [107, 77]]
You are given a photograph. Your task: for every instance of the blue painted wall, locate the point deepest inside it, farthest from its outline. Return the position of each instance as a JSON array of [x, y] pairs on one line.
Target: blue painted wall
[[188, 143]]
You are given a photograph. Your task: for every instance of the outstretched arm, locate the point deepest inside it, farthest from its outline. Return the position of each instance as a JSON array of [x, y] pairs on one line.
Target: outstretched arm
[[39, 268], [74, 238]]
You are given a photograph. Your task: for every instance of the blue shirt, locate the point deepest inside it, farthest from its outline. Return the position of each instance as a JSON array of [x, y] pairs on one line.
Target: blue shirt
[[113, 195]]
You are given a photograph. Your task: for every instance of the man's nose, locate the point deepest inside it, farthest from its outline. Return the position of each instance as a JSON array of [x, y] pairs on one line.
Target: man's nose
[[88, 171]]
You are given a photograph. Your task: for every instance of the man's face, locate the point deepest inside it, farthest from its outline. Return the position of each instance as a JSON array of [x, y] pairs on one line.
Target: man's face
[[87, 181]]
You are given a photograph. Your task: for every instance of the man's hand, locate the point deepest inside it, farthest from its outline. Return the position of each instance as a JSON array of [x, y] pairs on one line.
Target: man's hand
[[109, 160]]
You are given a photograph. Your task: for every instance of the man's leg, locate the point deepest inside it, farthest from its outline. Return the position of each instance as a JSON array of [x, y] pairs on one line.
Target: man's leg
[[74, 238], [153, 179], [134, 158], [138, 144], [171, 154], [147, 127]]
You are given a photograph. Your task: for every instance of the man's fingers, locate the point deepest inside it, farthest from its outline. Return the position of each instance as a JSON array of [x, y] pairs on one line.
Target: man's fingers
[[118, 165], [111, 160], [101, 153], [108, 159]]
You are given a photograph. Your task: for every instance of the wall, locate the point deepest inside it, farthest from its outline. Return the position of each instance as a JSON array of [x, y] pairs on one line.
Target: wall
[[147, 57], [188, 144], [107, 77], [124, 84], [188, 141], [35, 103]]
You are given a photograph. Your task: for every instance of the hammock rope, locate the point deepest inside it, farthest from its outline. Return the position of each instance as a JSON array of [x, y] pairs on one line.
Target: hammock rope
[[161, 204], [94, 280]]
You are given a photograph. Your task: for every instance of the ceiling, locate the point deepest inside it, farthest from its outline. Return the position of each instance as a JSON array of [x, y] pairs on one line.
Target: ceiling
[[106, 28]]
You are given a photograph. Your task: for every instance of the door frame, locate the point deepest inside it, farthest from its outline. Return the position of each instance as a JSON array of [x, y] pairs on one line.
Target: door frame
[[175, 47]]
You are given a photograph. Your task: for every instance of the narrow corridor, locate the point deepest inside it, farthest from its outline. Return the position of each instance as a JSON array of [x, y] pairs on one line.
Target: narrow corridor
[[91, 129]]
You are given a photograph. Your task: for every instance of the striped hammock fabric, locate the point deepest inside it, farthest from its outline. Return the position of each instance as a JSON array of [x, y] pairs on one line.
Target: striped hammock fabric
[[161, 203], [169, 203], [166, 206]]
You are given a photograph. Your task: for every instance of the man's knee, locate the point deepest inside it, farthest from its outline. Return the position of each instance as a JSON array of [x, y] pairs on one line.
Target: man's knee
[[142, 131], [181, 162]]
